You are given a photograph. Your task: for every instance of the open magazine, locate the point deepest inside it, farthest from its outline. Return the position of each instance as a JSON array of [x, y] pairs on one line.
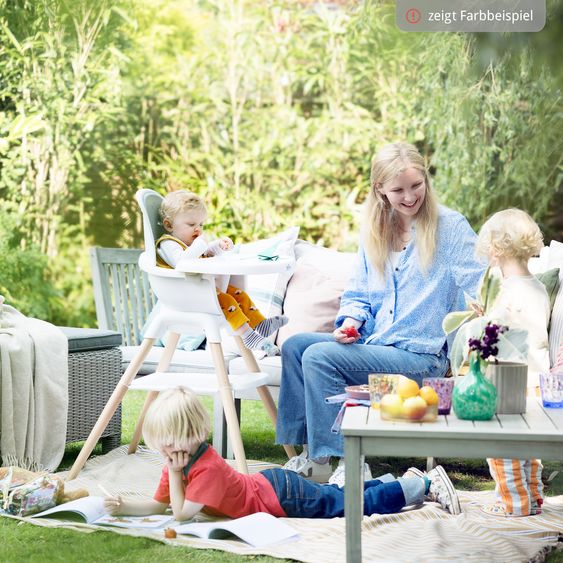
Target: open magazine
[[256, 529], [91, 510]]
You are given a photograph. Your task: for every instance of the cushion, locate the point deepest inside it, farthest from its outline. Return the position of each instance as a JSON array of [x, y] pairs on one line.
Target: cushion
[[550, 280], [555, 260], [266, 291], [313, 294], [86, 339]]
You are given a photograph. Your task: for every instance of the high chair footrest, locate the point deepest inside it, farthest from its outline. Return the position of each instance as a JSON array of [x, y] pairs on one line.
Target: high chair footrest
[[200, 383]]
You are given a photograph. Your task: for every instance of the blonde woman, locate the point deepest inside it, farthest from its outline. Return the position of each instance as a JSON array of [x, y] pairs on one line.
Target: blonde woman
[[414, 261]]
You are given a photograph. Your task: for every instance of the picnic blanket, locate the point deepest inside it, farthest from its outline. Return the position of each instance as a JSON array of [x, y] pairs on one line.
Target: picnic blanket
[[425, 534], [33, 390]]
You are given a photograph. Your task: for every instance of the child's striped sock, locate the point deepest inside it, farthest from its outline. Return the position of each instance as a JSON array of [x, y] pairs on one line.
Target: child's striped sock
[[255, 341], [269, 326]]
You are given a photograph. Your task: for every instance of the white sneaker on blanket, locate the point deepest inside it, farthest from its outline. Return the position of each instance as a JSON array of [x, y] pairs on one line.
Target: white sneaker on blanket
[[296, 462], [313, 471], [443, 491], [339, 475]]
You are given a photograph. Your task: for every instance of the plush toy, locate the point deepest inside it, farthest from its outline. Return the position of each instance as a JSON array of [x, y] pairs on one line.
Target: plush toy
[[24, 492]]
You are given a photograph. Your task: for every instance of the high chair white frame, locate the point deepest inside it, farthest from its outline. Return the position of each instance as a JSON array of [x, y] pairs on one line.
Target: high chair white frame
[[188, 301]]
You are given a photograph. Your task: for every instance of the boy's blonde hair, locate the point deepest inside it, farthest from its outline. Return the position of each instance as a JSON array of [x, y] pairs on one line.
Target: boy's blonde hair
[[510, 233], [179, 201], [176, 418], [381, 229]]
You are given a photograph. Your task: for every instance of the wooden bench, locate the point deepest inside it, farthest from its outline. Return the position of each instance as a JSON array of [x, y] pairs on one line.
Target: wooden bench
[[538, 433]]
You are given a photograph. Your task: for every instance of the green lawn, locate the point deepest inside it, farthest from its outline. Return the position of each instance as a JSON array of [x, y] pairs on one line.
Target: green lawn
[[26, 542]]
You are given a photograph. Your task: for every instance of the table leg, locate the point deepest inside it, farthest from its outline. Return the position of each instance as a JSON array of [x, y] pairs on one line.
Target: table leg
[[353, 501]]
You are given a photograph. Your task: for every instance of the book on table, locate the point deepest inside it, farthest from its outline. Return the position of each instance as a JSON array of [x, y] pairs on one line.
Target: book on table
[[91, 511], [256, 529]]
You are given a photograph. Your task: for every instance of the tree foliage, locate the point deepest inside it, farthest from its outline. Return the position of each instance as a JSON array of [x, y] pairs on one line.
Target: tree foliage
[[270, 111]]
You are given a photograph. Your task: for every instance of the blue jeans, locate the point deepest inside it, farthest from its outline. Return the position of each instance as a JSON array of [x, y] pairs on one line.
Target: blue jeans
[[314, 367], [300, 498]]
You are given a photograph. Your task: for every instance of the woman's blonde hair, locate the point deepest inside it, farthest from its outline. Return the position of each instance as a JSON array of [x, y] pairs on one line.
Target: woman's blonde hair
[[176, 418], [178, 202], [510, 233], [381, 230]]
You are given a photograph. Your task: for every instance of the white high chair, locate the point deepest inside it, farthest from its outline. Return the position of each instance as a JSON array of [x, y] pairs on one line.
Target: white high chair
[[187, 302]]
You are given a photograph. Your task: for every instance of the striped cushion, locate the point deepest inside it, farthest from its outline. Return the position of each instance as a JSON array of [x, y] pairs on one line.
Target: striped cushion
[[268, 291], [556, 324]]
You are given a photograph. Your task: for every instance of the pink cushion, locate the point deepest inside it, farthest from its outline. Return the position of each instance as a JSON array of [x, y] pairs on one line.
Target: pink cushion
[[312, 298]]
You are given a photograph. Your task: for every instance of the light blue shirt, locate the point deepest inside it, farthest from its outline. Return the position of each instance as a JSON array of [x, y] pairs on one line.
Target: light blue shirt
[[406, 308]]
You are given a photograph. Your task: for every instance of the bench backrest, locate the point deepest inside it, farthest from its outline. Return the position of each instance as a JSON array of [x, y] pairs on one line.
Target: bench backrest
[[122, 292]]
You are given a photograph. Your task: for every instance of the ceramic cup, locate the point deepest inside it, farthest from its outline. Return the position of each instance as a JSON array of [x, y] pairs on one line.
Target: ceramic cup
[[380, 384], [444, 388]]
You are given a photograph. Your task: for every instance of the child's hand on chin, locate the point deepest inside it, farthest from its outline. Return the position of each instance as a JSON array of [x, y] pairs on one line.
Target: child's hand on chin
[[176, 461]]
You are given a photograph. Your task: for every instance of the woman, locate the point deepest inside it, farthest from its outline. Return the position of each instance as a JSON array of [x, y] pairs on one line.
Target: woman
[[414, 261]]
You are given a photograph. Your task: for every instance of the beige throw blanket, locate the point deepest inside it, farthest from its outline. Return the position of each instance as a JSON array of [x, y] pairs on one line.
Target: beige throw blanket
[[33, 391]]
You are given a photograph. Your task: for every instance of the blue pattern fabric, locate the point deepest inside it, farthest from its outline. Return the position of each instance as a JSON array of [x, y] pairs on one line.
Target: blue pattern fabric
[[405, 308]]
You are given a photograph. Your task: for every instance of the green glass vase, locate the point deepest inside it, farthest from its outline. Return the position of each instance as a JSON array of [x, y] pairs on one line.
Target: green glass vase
[[474, 397]]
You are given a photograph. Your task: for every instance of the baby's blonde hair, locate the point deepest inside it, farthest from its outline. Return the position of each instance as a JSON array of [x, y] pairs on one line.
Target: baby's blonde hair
[[510, 233], [381, 229], [176, 418], [178, 202]]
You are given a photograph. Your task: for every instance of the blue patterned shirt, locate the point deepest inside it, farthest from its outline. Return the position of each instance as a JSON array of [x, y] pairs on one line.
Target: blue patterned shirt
[[406, 308]]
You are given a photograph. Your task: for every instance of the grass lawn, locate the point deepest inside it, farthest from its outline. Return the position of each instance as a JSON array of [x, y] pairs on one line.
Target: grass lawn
[[26, 542]]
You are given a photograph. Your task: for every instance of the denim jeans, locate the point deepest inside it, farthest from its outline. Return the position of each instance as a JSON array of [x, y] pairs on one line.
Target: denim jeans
[[314, 367], [300, 498]]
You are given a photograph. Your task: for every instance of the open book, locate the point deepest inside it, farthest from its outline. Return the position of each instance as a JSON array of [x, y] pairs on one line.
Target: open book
[[91, 510], [256, 529]]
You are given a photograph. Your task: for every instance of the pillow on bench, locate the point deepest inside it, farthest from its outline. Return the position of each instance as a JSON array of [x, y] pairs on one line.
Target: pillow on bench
[[313, 294]]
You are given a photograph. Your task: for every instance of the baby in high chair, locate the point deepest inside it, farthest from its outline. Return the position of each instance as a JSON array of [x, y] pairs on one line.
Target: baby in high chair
[[509, 239], [196, 478], [183, 216]]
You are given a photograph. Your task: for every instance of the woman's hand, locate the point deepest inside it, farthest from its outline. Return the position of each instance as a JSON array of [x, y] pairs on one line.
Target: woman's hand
[[226, 243], [346, 334], [177, 460]]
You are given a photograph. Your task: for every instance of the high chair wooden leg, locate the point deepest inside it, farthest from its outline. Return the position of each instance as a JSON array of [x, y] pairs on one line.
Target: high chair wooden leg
[[163, 364], [111, 406], [263, 390], [226, 392]]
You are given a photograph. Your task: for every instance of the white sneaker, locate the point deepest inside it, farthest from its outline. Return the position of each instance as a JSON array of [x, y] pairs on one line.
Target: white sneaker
[[443, 491], [296, 462], [313, 471], [339, 475]]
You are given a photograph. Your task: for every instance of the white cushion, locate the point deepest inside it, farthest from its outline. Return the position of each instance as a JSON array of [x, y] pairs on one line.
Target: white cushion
[[555, 260], [182, 361]]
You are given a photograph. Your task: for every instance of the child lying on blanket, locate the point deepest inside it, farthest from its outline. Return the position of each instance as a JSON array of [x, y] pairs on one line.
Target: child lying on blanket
[[195, 478], [183, 216], [509, 239]]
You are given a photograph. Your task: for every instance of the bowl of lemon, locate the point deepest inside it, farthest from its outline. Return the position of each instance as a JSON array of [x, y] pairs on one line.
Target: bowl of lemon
[[410, 403]]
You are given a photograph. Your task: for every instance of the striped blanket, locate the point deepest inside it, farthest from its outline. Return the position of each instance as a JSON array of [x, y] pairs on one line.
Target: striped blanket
[[424, 534]]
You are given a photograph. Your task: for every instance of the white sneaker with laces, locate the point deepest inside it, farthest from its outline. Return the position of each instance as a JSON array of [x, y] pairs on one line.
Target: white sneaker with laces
[[313, 471], [339, 475], [442, 490], [296, 462]]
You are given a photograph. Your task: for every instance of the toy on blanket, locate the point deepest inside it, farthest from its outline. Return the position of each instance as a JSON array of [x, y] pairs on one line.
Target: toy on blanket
[[23, 492]]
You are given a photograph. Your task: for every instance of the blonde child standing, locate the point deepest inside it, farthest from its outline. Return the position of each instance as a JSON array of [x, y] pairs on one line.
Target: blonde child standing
[[509, 238], [195, 478], [183, 216]]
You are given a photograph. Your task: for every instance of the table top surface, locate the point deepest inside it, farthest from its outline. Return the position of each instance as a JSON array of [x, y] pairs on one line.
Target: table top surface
[[234, 264], [536, 423]]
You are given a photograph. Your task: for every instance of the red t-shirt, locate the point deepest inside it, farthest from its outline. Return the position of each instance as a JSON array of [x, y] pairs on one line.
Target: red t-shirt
[[224, 491]]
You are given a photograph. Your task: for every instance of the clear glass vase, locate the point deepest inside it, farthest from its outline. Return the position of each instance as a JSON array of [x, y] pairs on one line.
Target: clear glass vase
[[474, 397]]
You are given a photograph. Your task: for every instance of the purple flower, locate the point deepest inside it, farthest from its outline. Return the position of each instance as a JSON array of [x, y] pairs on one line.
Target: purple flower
[[485, 346]]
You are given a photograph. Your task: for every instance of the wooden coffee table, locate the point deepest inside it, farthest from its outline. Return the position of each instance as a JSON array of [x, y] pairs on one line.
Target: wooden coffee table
[[536, 434]]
